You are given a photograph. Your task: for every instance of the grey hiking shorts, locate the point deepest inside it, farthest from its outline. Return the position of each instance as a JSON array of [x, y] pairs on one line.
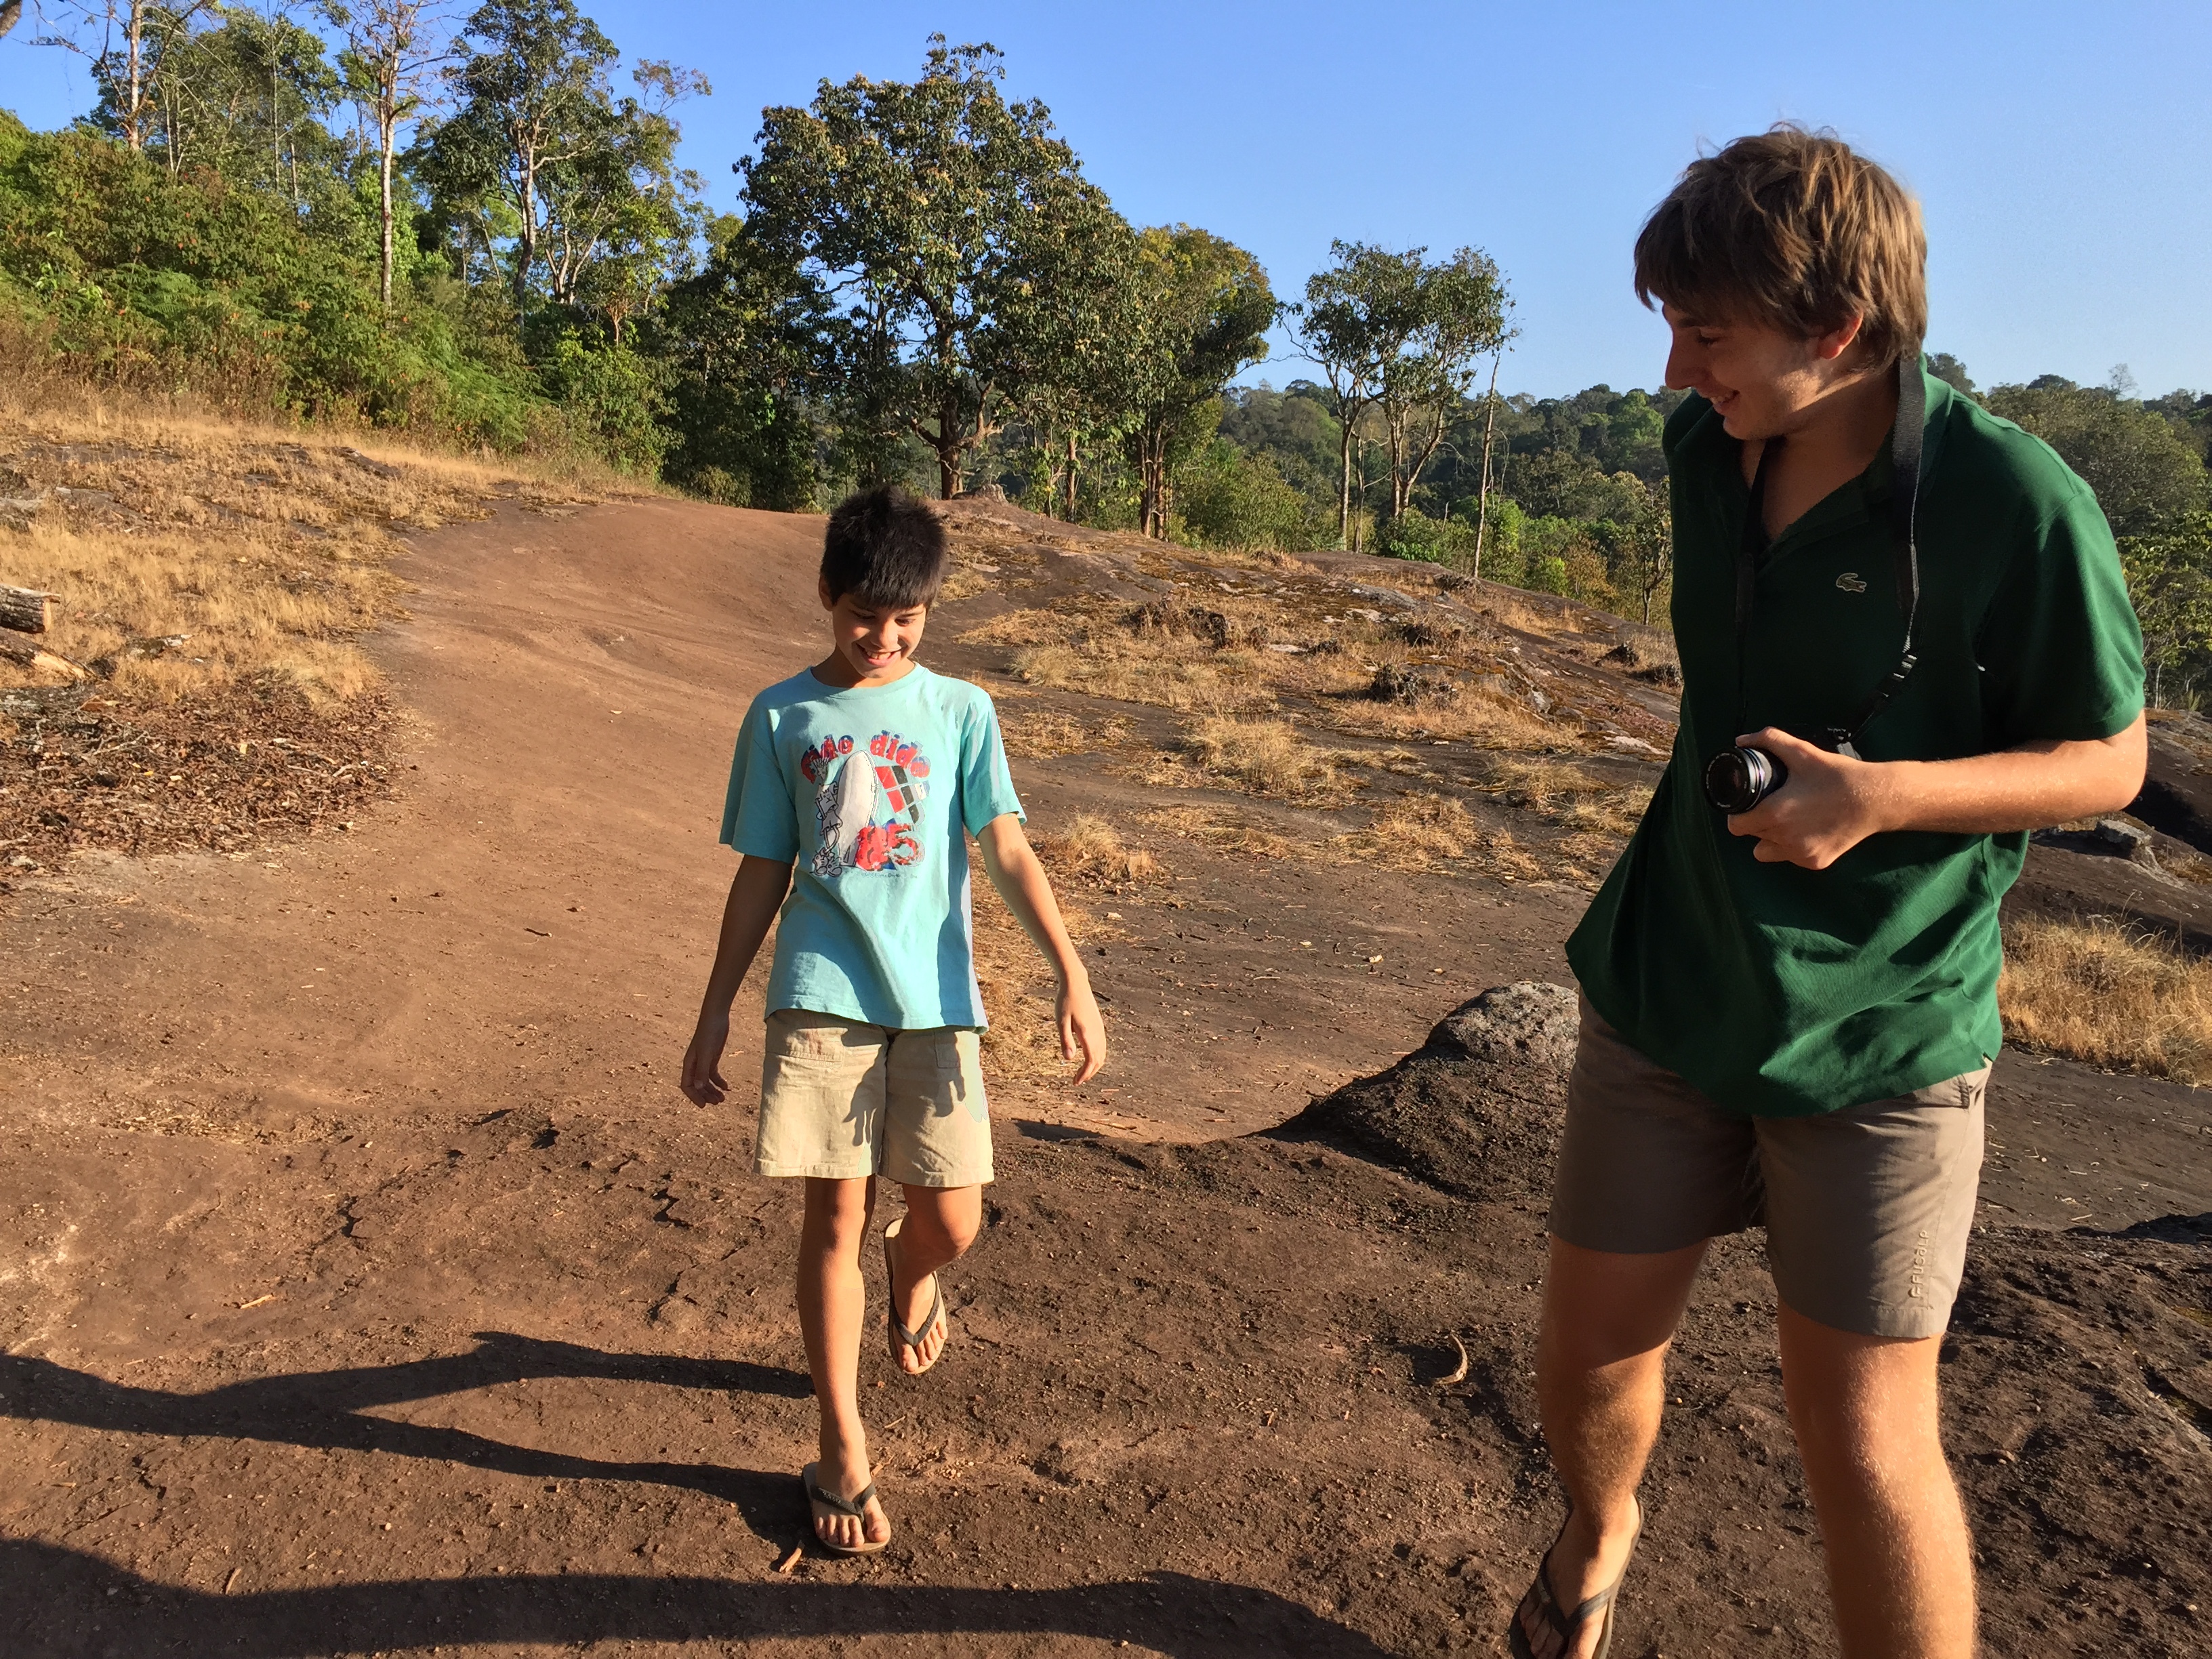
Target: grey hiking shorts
[[1867, 1210]]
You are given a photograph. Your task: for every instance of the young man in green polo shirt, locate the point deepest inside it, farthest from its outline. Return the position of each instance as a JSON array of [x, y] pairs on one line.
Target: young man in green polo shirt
[[1790, 1011]]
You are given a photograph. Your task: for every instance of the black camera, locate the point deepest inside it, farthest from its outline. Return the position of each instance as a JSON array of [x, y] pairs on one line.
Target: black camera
[[1737, 780]]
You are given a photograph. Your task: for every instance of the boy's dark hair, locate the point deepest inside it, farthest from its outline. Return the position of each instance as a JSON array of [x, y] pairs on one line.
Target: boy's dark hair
[[886, 547], [1794, 229]]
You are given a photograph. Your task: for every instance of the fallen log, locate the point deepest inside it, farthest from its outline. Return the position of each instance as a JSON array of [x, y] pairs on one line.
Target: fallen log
[[24, 654], [25, 609]]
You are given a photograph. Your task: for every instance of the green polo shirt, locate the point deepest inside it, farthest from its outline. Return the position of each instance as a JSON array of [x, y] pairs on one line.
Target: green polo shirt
[[1783, 992]]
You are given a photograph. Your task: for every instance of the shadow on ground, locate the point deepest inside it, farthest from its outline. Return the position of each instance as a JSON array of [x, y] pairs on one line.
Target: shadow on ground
[[328, 1409], [60, 1601]]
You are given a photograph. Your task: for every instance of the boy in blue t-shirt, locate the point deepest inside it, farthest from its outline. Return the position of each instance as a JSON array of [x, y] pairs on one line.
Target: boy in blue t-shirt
[[865, 774]]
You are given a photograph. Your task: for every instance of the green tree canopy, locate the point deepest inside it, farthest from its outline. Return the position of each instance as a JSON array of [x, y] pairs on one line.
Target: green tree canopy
[[2170, 580], [2146, 476], [543, 172], [1196, 309], [1395, 332], [932, 210]]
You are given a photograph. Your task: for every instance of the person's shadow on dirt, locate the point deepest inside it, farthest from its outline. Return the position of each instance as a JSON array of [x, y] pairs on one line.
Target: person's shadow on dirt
[[56, 1601], [328, 1409]]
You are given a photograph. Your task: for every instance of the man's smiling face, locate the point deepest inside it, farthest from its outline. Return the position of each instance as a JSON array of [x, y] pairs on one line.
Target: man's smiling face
[[1761, 381]]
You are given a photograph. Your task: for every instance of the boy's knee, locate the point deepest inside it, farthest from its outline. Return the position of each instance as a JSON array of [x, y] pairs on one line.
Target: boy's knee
[[842, 1207], [955, 1233], [952, 1220], [961, 1232]]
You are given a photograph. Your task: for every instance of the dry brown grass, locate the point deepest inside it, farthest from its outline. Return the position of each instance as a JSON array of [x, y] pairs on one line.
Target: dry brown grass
[[1648, 654], [2093, 990], [1224, 832], [1035, 625], [1168, 672], [1267, 758], [966, 579], [1570, 796], [1432, 832], [1091, 850], [1473, 714], [263, 548], [1047, 734], [1507, 611]]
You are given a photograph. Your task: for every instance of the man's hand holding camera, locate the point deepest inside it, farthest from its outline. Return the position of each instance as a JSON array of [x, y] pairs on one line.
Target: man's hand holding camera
[[1812, 806], [1829, 804]]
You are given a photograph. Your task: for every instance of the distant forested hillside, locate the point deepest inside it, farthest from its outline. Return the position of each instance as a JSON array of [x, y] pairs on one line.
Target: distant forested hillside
[[1577, 501], [477, 232]]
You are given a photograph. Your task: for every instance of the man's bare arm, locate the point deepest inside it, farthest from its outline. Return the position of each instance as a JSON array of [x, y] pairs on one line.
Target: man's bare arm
[[1831, 804], [1012, 865], [756, 895]]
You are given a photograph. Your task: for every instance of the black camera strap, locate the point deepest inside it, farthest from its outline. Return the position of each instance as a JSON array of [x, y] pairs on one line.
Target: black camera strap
[[1904, 441]]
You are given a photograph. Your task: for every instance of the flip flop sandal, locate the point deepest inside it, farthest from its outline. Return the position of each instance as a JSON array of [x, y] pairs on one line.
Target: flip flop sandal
[[856, 1506], [901, 1337], [1542, 1630]]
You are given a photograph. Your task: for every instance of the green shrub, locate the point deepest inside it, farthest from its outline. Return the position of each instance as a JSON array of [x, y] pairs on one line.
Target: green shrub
[[1230, 497], [1414, 535], [612, 394], [134, 279]]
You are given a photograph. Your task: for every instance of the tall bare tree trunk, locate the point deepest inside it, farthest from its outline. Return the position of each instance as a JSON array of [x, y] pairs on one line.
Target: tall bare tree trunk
[[1482, 500], [525, 242], [1071, 461], [275, 134], [1343, 485], [134, 129], [1401, 486], [387, 124]]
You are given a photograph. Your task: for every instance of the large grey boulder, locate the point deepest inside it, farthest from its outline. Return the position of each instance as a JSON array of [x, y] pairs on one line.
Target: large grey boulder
[[1477, 1108], [1529, 1023]]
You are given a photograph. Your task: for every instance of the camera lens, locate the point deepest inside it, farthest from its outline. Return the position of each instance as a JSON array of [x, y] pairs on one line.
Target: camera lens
[[1737, 780]]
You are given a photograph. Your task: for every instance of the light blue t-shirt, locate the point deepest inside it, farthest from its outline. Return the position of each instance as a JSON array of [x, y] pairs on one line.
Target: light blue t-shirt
[[866, 792]]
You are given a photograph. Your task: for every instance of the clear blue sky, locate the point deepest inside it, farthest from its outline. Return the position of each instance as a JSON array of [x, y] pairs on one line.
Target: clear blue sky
[[2059, 150]]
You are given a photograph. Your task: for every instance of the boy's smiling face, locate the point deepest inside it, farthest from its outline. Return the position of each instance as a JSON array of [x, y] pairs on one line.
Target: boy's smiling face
[[1762, 382], [870, 644]]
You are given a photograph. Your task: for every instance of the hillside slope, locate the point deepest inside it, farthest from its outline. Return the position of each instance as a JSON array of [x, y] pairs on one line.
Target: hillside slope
[[372, 1289]]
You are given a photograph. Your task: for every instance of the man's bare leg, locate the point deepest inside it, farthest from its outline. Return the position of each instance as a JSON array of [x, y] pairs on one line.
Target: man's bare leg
[[832, 1305], [941, 1223], [1601, 1382], [1900, 1566]]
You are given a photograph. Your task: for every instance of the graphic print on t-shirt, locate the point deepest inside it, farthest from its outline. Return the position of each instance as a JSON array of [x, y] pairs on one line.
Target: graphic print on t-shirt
[[867, 802]]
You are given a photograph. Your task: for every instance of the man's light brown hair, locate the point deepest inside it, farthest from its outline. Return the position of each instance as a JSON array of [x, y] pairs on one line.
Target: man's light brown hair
[[1793, 229]]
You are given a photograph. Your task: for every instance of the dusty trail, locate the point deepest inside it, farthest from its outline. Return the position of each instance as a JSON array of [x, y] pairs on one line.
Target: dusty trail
[[367, 1287]]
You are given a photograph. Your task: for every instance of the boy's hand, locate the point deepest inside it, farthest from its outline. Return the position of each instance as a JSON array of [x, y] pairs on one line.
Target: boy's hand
[[702, 1082], [1082, 1032], [1830, 804], [756, 894]]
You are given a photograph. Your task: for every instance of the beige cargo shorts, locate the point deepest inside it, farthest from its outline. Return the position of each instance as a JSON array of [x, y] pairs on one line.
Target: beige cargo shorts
[[840, 1100], [1867, 1210]]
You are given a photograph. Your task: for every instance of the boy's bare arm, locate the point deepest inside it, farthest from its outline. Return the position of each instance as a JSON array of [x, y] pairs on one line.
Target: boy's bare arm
[[1012, 865], [756, 894]]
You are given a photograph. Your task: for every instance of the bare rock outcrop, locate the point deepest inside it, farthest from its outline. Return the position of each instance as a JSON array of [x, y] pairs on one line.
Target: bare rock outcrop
[[1528, 1023], [1476, 1109]]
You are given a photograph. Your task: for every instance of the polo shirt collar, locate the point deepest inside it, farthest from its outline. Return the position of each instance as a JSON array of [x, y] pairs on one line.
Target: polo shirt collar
[[1709, 444]]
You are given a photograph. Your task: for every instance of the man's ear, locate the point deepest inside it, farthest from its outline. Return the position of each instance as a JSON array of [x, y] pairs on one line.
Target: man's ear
[[1837, 341], [822, 587]]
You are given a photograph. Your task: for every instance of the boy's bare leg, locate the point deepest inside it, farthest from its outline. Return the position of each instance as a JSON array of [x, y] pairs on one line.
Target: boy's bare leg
[[941, 1223], [1600, 1383], [1901, 1564], [832, 1307]]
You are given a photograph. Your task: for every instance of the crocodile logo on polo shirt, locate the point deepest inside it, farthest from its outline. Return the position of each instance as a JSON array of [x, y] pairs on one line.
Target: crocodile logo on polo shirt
[[1852, 583]]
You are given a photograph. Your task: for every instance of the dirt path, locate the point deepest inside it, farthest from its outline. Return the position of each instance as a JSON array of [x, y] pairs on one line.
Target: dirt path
[[367, 1288]]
